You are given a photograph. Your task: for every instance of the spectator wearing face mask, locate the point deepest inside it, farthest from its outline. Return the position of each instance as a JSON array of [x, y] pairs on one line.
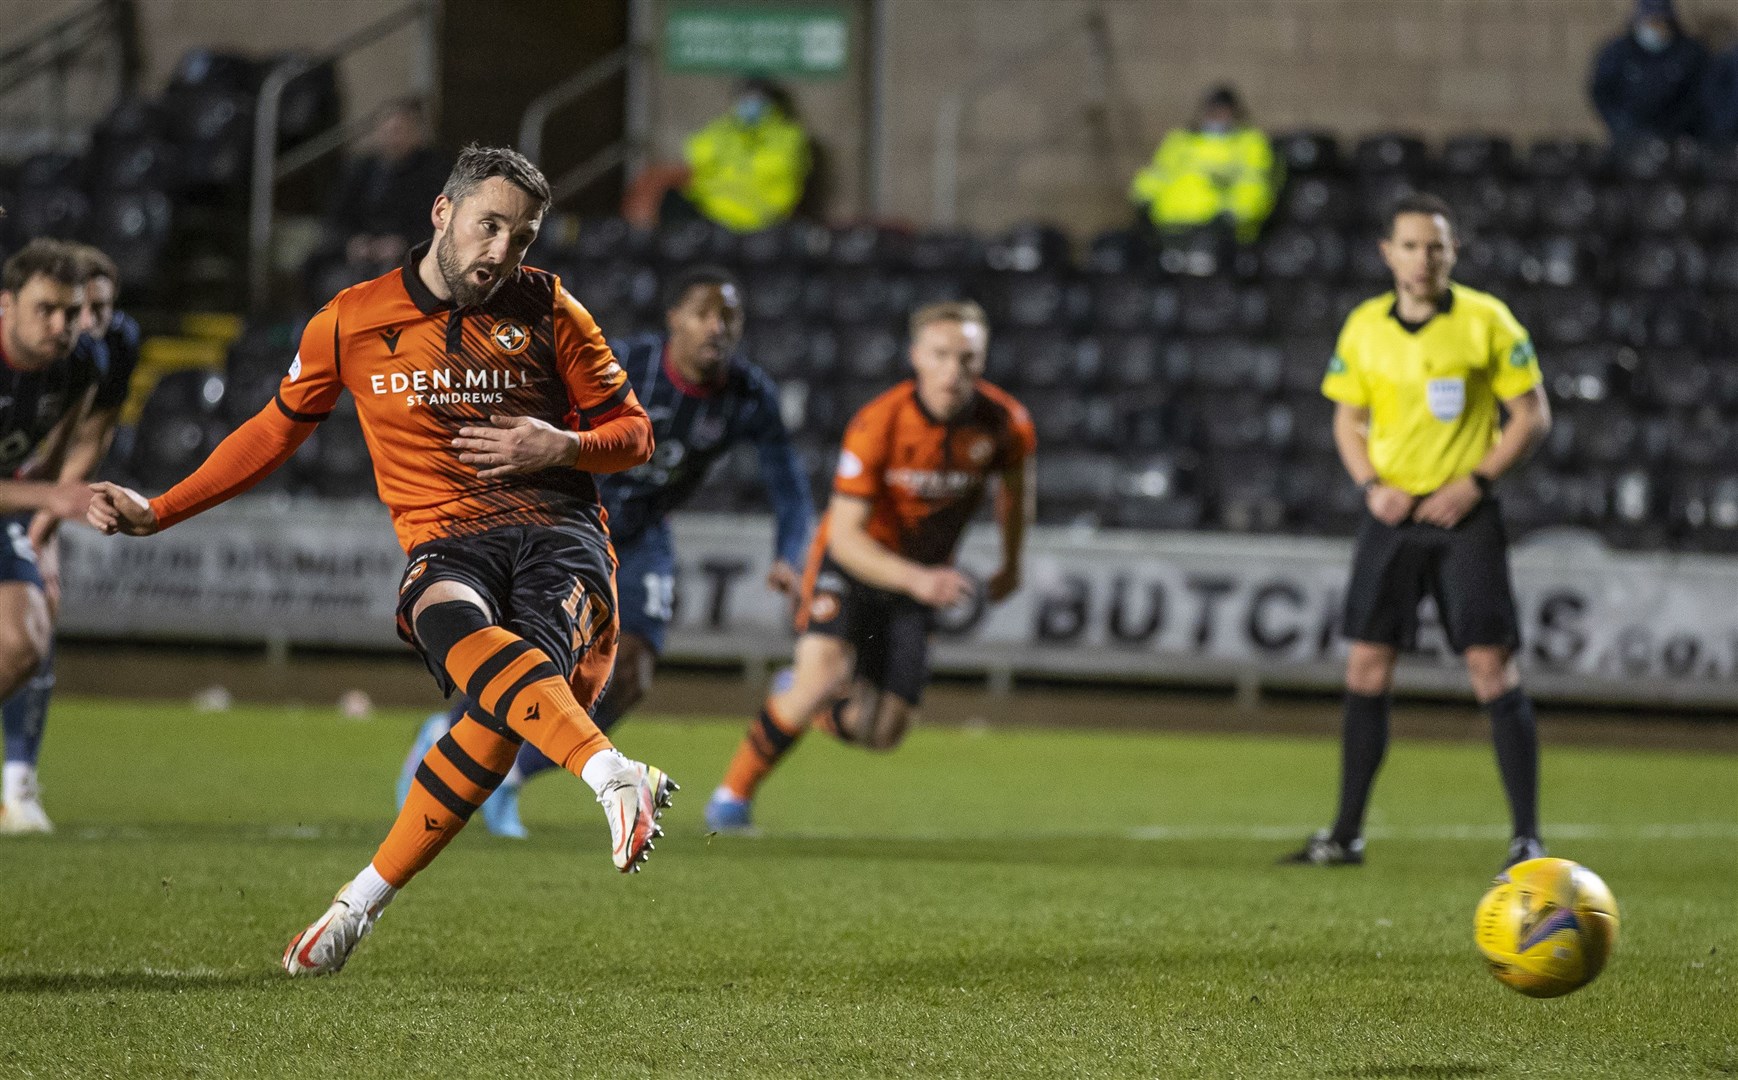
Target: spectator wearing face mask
[[746, 169], [1220, 168], [1647, 83]]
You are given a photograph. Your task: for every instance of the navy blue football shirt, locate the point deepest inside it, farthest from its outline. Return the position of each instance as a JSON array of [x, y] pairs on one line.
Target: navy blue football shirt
[[693, 427]]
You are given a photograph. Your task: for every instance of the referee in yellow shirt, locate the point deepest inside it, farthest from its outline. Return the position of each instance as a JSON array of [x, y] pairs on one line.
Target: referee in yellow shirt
[[1417, 377]]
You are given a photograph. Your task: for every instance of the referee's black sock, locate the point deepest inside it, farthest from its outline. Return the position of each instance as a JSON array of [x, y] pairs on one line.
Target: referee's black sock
[[1363, 742], [1516, 736]]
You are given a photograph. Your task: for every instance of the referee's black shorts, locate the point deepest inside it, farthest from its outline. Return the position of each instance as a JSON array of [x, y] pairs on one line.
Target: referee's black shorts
[[1466, 569]]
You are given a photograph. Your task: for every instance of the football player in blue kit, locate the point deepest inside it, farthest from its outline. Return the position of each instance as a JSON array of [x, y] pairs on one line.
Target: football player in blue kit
[[46, 390], [703, 398], [108, 343]]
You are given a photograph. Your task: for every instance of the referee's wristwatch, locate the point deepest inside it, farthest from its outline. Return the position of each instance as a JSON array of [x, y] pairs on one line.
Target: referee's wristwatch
[[1485, 484]]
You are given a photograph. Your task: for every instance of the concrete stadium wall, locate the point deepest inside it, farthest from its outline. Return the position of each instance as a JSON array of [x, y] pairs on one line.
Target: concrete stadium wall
[[1033, 151]]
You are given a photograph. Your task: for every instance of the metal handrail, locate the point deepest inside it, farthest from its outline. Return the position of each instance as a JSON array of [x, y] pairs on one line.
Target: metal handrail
[[950, 113], [96, 12], [53, 48], [268, 168], [568, 90], [622, 61]]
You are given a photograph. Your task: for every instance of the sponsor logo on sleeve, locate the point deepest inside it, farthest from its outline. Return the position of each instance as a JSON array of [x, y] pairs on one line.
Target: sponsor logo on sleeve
[[850, 465], [296, 368]]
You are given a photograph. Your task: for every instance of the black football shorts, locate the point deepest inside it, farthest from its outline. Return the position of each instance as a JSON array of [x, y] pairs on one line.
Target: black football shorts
[[1466, 569], [889, 632], [553, 585]]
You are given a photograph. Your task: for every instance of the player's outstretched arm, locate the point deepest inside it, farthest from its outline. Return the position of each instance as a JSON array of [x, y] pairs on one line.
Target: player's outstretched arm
[[872, 563], [115, 509], [56, 499], [250, 454]]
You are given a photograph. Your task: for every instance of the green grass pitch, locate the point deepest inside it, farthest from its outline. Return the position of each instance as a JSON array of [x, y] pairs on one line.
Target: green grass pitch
[[980, 903]]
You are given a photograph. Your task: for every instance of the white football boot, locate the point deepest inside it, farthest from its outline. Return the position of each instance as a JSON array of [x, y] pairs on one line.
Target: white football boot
[[633, 800], [21, 813], [323, 948]]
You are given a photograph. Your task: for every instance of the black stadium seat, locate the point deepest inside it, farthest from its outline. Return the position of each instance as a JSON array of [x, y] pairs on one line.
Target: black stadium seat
[[1121, 303], [1119, 251], [1559, 259], [1391, 153], [1317, 200], [1028, 248], [50, 170], [1714, 210], [1659, 208], [1477, 156], [1561, 317], [1580, 373], [1655, 264], [1567, 204], [947, 250], [682, 243], [870, 246], [133, 228], [774, 293], [1307, 153], [1643, 159], [1034, 300], [1308, 309], [1560, 159], [1293, 252], [57, 211], [868, 353], [779, 346], [602, 239], [1491, 261]]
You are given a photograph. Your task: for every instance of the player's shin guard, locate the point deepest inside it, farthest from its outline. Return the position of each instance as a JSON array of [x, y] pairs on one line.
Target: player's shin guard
[[768, 740], [521, 688], [462, 769], [1515, 733], [1363, 744]]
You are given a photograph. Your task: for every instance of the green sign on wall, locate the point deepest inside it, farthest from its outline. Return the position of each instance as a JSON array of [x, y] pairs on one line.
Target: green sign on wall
[[767, 40]]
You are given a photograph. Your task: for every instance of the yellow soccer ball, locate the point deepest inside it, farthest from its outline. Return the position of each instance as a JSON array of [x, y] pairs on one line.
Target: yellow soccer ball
[[1546, 927]]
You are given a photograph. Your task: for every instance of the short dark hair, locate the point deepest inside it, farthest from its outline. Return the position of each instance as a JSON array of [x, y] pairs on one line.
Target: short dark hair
[[679, 286], [54, 259], [1420, 202], [478, 163], [97, 264]]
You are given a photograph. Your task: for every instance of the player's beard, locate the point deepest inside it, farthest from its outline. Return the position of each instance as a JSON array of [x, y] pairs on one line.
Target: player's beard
[[465, 292]]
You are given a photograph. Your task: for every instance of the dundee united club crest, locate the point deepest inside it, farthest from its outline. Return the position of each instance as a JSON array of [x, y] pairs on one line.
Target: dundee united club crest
[[510, 337]]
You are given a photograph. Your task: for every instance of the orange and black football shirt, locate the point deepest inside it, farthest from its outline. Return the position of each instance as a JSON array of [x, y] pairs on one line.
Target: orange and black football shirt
[[924, 478], [419, 369]]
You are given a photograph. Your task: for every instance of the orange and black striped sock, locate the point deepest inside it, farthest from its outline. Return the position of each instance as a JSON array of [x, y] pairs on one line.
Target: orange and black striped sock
[[456, 775], [769, 739], [521, 688]]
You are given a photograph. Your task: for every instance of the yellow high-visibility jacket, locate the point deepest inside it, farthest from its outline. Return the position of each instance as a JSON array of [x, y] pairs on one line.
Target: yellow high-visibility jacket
[[1194, 177], [747, 177]]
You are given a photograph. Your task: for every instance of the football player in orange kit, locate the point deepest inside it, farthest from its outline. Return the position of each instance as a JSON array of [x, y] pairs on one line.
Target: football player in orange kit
[[488, 398], [913, 469]]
